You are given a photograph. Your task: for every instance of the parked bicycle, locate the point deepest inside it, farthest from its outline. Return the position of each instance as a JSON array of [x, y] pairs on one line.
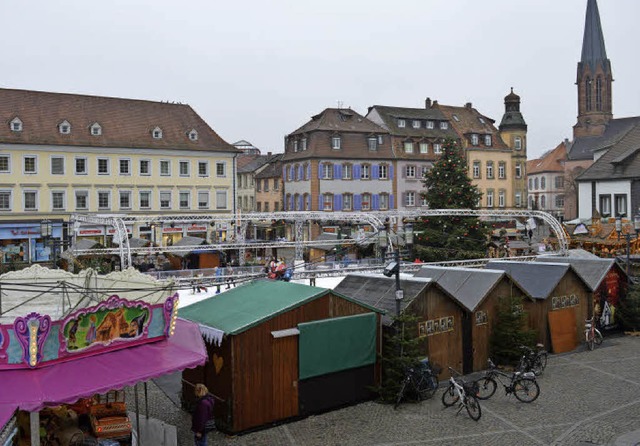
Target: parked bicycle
[[523, 385], [533, 360], [462, 393], [421, 380], [592, 335]]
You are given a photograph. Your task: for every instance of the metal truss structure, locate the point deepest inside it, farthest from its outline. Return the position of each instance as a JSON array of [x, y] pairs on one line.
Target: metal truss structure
[[240, 222]]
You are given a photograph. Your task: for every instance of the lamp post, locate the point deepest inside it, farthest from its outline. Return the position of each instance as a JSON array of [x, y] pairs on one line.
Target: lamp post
[[627, 236], [393, 267]]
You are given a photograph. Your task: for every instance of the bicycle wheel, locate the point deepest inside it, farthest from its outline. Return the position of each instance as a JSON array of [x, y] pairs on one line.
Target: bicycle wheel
[[542, 358], [400, 395], [486, 388], [450, 396], [590, 342], [473, 407], [538, 365], [428, 387], [526, 390], [598, 337]]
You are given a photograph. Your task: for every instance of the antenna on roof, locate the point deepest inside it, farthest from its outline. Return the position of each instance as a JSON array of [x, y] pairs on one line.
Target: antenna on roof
[[339, 104]]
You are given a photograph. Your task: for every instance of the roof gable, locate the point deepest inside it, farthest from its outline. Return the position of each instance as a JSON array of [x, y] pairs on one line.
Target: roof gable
[[621, 161], [536, 278], [339, 120], [591, 271]]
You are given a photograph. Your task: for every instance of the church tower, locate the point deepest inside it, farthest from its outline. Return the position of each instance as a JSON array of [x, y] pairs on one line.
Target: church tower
[[594, 79], [513, 131]]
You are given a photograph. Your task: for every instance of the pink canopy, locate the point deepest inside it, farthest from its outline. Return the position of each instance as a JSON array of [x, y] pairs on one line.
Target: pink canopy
[[67, 382]]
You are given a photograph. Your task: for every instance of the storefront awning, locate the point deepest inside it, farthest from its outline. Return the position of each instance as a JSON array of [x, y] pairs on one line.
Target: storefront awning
[[67, 382]]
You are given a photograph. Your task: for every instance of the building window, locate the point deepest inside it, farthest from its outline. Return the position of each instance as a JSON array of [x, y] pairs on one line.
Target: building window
[[347, 202], [30, 201], [104, 200], [276, 185], [184, 199], [327, 202], [408, 147], [518, 199], [490, 198], [336, 142], [81, 166], [518, 170], [380, 139], [296, 202], [303, 143], [82, 200], [444, 125], [327, 171], [476, 169], [203, 199], [346, 171], [474, 140], [165, 199], [530, 183], [364, 172], [599, 93], [410, 199], [621, 205], [125, 167], [536, 184], [276, 206], [145, 167], [559, 182], [295, 145], [5, 164], [145, 199], [481, 120], [487, 140], [366, 202], [543, 202], [401, 123], [501, 198], [165, 168], [221, 199], [430, 124], [184, 168], [410, 171], [307, 202], [517, 143], [501, 170], [543, 183], [57, 165], [489, 169], [103, 166], [415, 124], [64, 127], [125, 199], [57, 201], [30, 164], [424, 147], [437, 149], [221, 170], [96, 130], [383, 172], [157, 133], [423, 200], [5, 200], [384, 201], [16, 125], [266, 185], [559, 201], [372, 143], [587, 87], [203, 168]]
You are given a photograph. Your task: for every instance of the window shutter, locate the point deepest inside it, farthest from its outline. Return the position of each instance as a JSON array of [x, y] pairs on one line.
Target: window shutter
[[356, 171], [284, 173], [357, 202], [336, 171], [391, 202], [319, 171], [404, 199], [301, 172], [391, 172], [337, 202], [404, 172], [375, 172], [376, 202], [308, 171], [301, 202], [320, 203]]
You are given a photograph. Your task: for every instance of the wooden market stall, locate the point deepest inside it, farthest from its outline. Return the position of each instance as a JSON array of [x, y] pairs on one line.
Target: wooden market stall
[[281, 350], [560, 303]]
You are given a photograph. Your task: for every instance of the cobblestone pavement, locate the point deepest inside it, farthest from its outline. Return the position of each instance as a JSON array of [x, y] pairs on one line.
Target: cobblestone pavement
[[587, 398]]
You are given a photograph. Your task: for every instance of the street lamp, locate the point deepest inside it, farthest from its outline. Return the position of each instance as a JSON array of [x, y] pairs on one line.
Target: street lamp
[[393, 267], [627, 236]]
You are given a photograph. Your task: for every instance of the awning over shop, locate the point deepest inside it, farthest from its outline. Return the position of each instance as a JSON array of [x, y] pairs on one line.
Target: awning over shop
[[65, 383]]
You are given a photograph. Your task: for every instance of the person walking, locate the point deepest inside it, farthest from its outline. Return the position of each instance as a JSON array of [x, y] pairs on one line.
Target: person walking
[[202, 413]]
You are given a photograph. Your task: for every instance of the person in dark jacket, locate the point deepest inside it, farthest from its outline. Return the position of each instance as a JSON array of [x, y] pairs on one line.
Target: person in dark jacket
[[202, 413]]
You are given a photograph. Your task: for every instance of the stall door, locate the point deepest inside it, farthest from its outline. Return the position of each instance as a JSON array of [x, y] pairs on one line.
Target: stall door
[[285, 377]]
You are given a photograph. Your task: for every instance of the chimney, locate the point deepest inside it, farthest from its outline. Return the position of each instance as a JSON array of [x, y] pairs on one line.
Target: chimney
[[468, 105], [268, 153], [435, 103], [427, 103]]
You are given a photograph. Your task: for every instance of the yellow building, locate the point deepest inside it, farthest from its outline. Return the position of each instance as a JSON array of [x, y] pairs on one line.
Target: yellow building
[[513, 131], [62, 154]]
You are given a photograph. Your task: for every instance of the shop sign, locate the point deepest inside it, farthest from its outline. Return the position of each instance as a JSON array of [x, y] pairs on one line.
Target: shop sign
[[195, 228], [113, 231], [223, 226], [170, 230], [90, 232]]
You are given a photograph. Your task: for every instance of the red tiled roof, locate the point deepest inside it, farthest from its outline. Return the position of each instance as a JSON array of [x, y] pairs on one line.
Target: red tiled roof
[[549, 162], [125, 122]]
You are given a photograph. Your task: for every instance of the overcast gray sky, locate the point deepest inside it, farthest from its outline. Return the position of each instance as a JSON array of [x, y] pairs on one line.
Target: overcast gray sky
[[257, 70]]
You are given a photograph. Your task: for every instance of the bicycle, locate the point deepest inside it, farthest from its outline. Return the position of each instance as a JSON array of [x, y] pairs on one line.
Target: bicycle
[[592, 335], [523, 385], [421, 379], [464, 394], [533, 360]]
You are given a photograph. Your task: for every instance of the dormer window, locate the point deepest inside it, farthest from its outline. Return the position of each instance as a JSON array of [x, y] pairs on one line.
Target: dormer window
[[402, 123], [487, 140], [64, 127], [303, 144], [16, 125], [336, 142], [416, 124], [474, 140], [193, 135], [430, 124], [96, 130], [295, 145], [444, 125], [455, 118], [481, 121], [157, 133]]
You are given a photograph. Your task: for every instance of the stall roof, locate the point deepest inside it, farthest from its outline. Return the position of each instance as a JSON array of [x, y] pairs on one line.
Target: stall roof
[[67, 382], [592, 271], [190, 242], [6, 412], [536, 278], [245, 306], [467, 285]]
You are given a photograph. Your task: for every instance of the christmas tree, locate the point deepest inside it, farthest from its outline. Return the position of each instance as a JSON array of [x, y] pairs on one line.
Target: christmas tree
[[448, 186], [629, 310]]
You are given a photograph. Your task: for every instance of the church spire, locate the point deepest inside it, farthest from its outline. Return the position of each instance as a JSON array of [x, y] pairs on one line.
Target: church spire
[[593, 49]]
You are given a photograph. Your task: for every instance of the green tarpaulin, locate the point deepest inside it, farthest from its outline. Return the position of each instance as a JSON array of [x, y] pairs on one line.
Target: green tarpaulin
[[331, 345]]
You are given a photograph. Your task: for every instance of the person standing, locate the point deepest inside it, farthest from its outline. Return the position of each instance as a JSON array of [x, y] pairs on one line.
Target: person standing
[[202, 413]]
